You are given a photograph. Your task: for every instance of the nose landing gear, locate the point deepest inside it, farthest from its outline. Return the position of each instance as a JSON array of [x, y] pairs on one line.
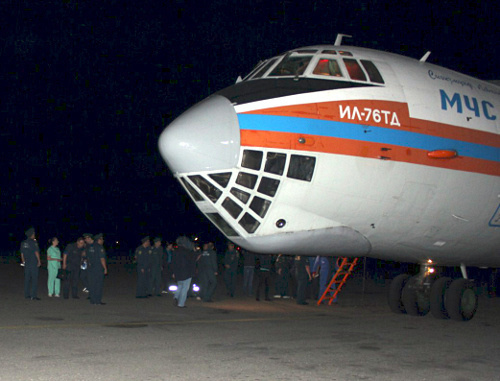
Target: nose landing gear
[[444, 298]]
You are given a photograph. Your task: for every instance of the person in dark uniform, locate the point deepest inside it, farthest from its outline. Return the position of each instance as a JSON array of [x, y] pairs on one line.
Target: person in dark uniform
[[97, 268], [263, 275], [30, 256], [282, 266], [207, 272], [303, 276], [88, 238], [231, 265], [248, 272], [142, 258], [72, 260], [157, 255]]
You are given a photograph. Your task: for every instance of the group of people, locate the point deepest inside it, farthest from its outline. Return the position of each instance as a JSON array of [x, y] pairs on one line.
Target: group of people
[[159, 266], [83, 260], [293, 275]]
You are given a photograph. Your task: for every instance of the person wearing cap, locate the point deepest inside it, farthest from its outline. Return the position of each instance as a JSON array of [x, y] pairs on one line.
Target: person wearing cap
[[142, 258], [184, 265], [30, 256], [72, 260], [96, 256], [156, 267], [84, 274]]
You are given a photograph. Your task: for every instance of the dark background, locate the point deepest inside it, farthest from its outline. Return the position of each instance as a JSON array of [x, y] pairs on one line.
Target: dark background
[[87, 87]]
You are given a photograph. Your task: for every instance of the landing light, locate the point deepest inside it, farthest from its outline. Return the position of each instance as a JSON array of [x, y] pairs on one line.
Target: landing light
[[429, 270]]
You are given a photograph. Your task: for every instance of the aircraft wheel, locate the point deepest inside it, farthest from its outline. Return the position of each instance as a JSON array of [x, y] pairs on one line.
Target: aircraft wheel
[[461, 300], [415, 302], [395, 290], [438, 291]]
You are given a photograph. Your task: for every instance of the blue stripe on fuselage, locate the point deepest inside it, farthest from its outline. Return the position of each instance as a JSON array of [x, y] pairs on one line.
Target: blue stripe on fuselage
[[365, 133]]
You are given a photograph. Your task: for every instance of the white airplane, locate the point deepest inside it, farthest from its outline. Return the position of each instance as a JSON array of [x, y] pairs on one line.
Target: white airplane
[[346, 151]]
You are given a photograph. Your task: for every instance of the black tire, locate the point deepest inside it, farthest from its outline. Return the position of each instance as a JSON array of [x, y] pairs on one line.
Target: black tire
[[438, 292], [394, 296], [415, 302], [461, 300]]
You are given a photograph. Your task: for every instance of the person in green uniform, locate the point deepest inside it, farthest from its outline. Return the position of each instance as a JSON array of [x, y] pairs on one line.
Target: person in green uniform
[[53, 266]]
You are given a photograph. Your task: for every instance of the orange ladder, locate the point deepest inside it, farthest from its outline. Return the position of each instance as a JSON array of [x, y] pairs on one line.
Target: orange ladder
[[346, 266]]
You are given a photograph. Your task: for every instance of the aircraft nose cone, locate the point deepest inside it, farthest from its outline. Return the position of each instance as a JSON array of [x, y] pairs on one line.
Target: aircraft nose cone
[[206, 137]]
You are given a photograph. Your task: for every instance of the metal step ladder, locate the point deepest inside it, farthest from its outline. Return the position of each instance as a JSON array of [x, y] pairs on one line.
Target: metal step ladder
[[345, 268]]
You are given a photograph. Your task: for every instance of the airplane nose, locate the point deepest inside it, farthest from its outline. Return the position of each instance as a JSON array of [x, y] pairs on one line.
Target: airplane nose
[[205, 137]]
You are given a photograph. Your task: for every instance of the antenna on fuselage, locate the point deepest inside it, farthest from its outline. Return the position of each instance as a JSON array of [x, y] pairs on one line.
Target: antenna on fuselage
[[338, 40], [425, 56]]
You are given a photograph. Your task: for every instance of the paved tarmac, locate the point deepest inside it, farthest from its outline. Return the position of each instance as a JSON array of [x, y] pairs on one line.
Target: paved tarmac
[[235, 338]]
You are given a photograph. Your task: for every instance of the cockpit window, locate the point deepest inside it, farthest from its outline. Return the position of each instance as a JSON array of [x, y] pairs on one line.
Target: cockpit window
[[292, 65], [327, 67], [355, 71], [372, 71], [265, 68]]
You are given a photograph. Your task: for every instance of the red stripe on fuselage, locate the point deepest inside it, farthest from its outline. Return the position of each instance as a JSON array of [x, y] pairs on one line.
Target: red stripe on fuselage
[[332, 111], [290, 141]]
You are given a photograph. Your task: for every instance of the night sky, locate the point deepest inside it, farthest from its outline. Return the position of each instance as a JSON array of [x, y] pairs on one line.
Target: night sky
[[87, 87]]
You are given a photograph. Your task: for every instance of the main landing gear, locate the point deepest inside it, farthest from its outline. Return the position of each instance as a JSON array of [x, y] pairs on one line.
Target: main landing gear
[[443, 297]]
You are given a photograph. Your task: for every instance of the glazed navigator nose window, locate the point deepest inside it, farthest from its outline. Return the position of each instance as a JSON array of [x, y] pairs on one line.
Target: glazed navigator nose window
[[301, 167], [275, 163], [252, 159]]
